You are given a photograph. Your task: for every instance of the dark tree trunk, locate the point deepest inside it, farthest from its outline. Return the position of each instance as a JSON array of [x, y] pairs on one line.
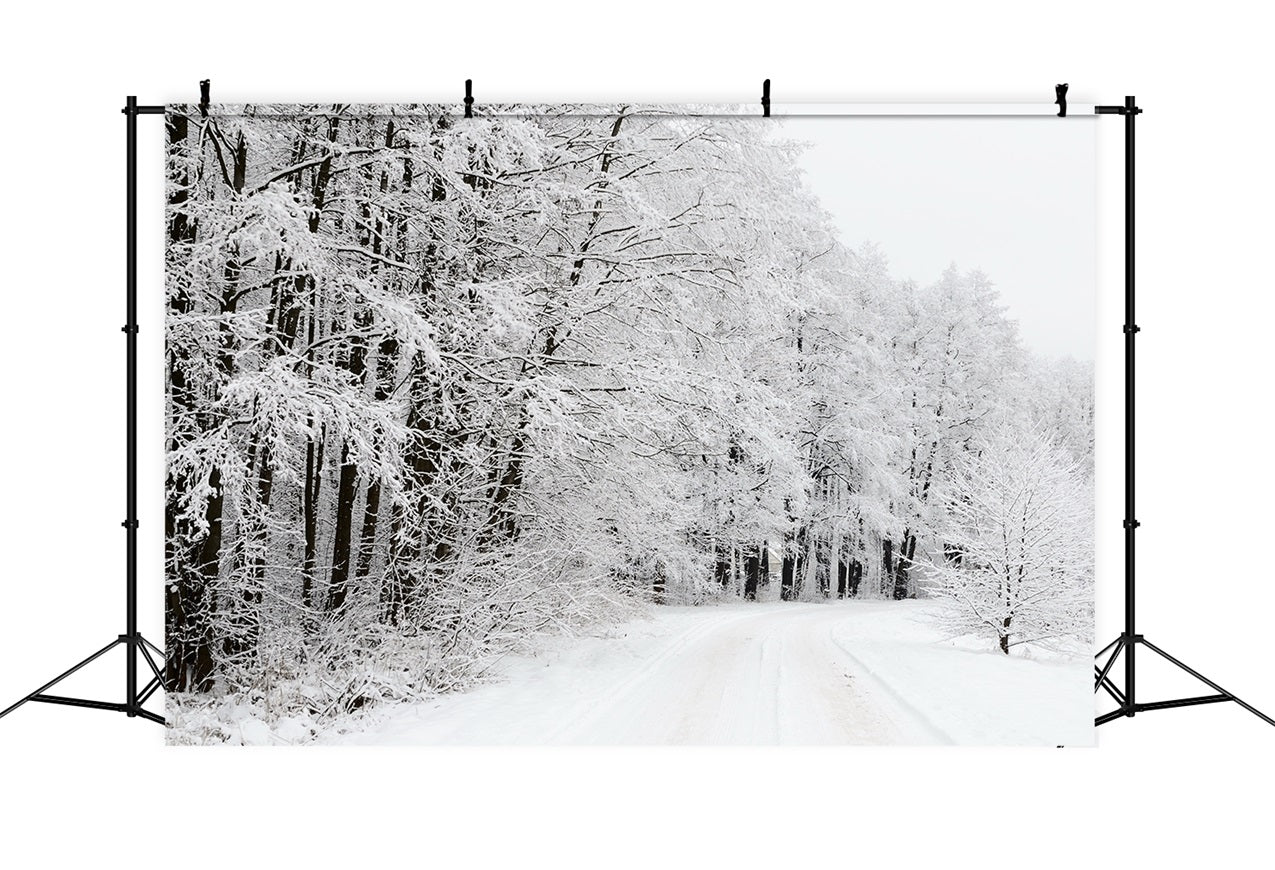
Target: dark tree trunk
[[387, 357], [887, 566], [347, 487], [787, 571], [367, 532], [799, 569], [721, 567], [346, 490], [902, 579], [794, 567], [1005, 636], [409, 524], [847, 584], [752, 572], [310, 517], [503, 519], [265, 489], [823, 565]]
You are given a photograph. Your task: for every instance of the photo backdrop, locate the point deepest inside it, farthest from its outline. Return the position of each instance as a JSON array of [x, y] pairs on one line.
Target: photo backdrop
[[581, 403]]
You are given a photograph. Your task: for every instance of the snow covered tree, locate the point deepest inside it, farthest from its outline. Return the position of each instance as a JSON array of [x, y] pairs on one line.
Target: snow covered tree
[[1019, 560]]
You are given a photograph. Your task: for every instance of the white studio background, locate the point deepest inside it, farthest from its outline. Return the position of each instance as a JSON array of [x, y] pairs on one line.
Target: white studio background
[[1184, 784]]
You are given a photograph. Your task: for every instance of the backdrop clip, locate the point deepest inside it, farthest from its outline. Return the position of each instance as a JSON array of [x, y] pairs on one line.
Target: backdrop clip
[[469, 98], [1060, 99], [204, 87], [765, 98]]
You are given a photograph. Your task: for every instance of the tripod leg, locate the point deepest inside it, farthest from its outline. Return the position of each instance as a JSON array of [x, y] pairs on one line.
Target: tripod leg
[[149, 689], [1100, 652], [60, 677], [159, 675], [1118, 643], [1203, 679], [153, 717], [1108, 717], [153, 685], [1111, 689], [159, 652], [1116, 694]]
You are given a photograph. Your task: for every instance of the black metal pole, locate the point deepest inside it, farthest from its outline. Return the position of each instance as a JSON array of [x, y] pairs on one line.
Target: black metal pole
[[1130, 330], [130, 329]]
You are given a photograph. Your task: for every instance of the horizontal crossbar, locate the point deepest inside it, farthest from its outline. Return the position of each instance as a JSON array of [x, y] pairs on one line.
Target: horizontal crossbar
[[79, 702], [97, 705], [1184, 702]]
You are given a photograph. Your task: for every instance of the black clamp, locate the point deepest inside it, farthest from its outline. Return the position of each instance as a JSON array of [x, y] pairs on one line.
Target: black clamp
[[1129, 330], [204, 87], [131, 329], [1116, 110], [469, 98], [1131, 524], [1060, 99], [765, 98], [129, 524]]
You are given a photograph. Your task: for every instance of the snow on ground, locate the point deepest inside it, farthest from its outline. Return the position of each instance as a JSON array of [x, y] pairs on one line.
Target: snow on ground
[[853, 672]]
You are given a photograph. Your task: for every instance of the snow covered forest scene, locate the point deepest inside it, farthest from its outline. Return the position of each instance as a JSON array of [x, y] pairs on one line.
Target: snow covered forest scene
[[627, 424]]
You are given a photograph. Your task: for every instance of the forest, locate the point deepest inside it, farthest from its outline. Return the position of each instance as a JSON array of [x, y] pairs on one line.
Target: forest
[[439, 384]]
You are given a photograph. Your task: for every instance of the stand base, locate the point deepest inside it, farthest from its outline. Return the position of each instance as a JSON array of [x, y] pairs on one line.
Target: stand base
[[132, 707], [1129, 707]]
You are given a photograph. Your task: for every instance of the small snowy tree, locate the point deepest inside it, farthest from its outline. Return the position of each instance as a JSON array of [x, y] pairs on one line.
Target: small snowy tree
[[1018, 557]]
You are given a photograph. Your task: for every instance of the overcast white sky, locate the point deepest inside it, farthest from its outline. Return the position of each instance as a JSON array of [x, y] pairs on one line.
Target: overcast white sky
[[1013, 197]]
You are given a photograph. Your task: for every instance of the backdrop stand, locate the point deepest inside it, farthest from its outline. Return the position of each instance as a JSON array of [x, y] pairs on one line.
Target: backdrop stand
[[1129, 640], [134, 644], [132, 641]]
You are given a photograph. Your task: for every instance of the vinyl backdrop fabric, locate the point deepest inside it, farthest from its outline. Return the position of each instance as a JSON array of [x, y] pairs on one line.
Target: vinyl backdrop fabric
[[628, 424]]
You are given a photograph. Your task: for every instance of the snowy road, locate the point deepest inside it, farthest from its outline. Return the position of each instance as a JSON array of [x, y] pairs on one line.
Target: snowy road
[[758, 673]]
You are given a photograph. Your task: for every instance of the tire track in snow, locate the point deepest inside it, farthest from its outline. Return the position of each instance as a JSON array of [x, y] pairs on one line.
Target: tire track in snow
[[761, 676], [611, 699], [919, 718]]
